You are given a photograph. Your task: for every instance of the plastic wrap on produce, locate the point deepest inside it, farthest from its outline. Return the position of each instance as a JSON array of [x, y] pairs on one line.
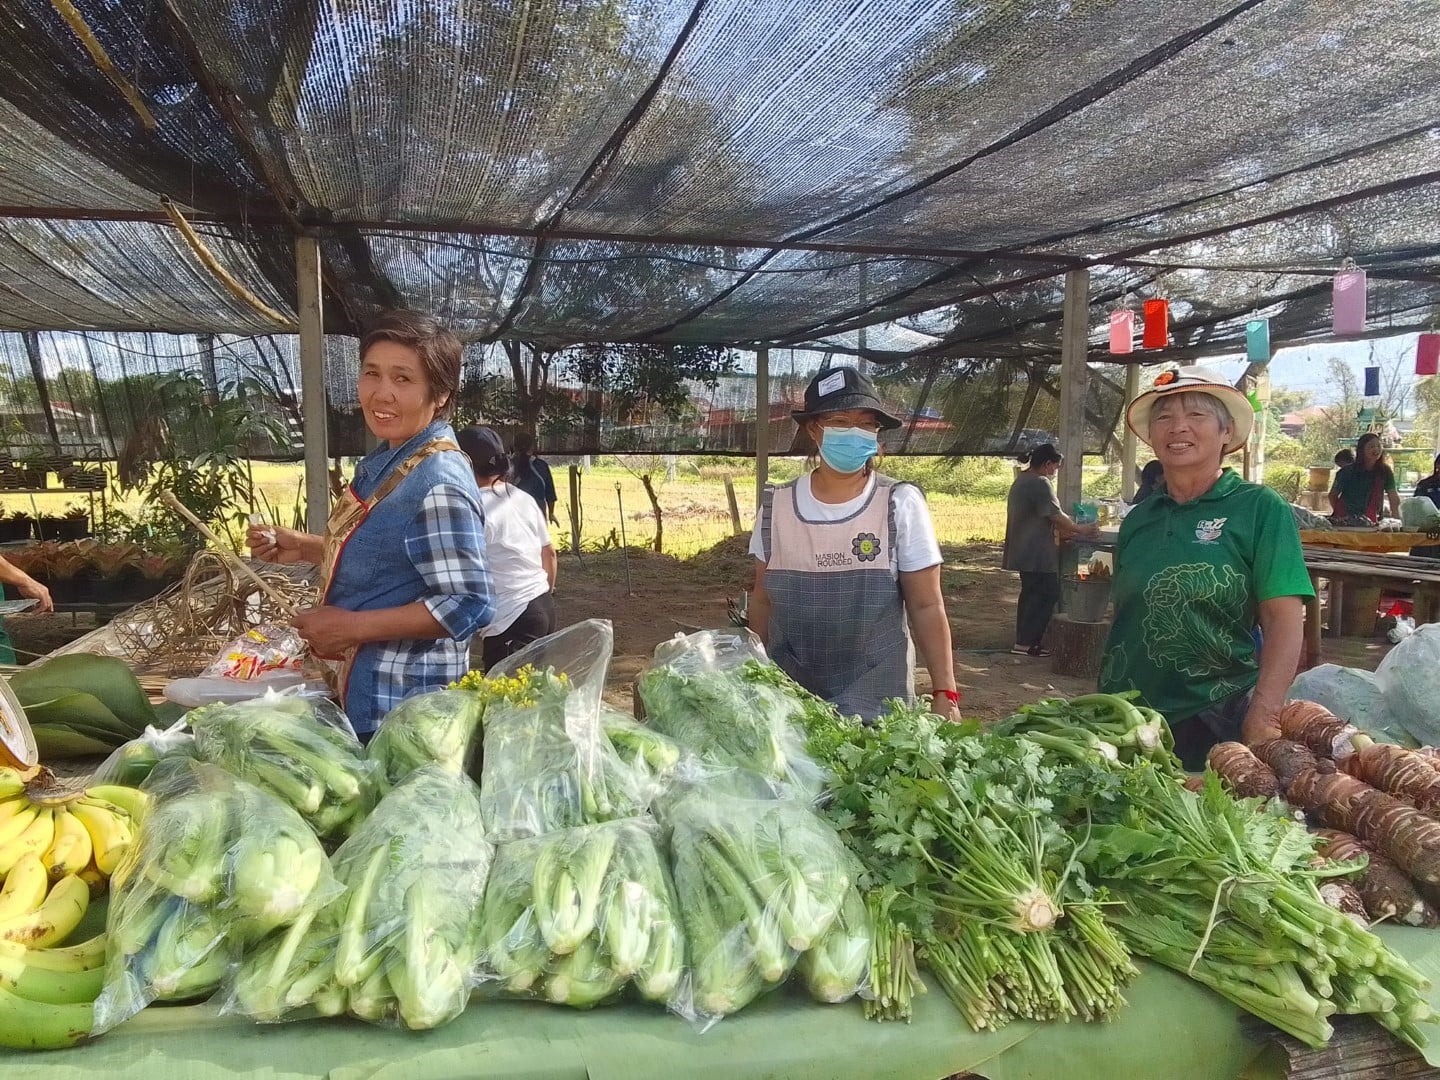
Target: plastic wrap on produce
[[718, 696], [1352, 694], [298, 746], [399, 945], [132, 763], [217, 866], [547, 762], [440, 727], [760, 882], [575, 916], [1410, 678]]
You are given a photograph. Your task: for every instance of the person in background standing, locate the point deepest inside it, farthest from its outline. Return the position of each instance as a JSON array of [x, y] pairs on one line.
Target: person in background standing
[[517, 544], [532, 475], [1033, 520], [1365, 484], [1344, 457], [29, 589], [1429, 488], [1151, 477]]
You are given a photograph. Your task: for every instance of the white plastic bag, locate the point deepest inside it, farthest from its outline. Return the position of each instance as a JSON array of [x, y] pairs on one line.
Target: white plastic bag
[[1410, 678]]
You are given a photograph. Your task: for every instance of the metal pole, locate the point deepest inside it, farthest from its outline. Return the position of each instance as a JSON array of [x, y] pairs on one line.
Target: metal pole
[[1074, 345], [313, 404], [624, 544], [1129, 444], [862, 338], [762, 422]]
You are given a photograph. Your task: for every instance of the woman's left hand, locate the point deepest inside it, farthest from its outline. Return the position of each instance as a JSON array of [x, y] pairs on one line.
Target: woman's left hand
[[329, 631], [943, 707]]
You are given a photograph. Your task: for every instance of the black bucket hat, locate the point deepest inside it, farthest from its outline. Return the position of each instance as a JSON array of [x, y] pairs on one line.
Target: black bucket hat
[[839, 389]]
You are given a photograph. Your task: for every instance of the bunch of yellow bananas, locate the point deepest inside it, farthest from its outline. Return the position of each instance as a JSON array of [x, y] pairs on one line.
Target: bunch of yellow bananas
[[47, 995], [79, 833]]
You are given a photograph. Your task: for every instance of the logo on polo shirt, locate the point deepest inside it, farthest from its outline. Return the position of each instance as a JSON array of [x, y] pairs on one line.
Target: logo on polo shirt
[[1207, 532]]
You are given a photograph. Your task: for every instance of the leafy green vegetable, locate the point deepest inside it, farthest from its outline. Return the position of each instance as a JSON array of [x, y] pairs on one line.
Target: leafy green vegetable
[[438, 728]]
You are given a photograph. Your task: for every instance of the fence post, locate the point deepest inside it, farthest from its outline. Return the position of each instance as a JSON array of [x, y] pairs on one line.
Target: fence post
[[575, 510], [734, 506]]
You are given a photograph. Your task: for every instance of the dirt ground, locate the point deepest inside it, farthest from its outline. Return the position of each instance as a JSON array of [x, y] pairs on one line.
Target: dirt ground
[[666, 596]]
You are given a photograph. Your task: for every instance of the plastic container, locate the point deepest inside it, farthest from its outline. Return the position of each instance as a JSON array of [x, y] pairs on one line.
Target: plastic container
[[17, 741], [1085, 599]]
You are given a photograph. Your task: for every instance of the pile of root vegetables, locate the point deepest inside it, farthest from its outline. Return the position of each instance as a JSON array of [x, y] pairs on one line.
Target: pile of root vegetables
[[1373, 805]]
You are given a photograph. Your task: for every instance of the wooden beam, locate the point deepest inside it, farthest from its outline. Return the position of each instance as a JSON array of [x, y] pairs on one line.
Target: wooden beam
[[314, 406], [1129, 443], [762, 422], [1074, 342]]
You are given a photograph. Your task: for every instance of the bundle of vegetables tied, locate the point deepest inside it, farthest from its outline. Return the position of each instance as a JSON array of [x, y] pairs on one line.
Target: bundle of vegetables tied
[[300, 748], [218, 865], [399, 945], [577, 915]]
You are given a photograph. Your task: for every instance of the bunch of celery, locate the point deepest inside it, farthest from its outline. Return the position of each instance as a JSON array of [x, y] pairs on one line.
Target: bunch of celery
[[1226, 893], [726, 704], [436, 728], [548, 765], [286, 743], [760, 882], [574, 916], [400, 943], [218, 865]]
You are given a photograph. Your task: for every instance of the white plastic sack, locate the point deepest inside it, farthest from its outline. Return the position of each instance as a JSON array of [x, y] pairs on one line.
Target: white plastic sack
[[1410, 678], [1352, 694]]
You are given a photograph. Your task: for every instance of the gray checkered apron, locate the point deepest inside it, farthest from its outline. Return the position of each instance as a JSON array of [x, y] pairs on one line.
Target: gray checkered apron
[[837, 617]]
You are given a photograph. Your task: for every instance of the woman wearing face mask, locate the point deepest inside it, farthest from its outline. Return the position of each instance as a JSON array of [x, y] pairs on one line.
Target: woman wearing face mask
[[848, 563], [1033, 520]]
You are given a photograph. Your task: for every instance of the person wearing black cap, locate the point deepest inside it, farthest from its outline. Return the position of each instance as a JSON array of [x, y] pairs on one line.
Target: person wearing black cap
[[849, 563], [1033, 519], [517, 543]]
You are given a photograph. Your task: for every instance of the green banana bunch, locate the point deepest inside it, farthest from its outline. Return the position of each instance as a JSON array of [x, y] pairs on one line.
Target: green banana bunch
[[47, 995], [286, 746], [399, 943], [577, 915]]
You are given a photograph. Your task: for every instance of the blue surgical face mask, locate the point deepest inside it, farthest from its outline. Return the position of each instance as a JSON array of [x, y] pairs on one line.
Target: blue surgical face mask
[[846, 450]]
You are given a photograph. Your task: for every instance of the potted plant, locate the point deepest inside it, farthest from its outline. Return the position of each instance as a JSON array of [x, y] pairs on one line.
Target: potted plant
[[16, 526], [74, 525], [118, 569]]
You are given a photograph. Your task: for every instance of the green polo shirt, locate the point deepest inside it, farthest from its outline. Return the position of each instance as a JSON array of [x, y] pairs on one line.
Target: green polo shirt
[[1188, 580], [1354, 486]]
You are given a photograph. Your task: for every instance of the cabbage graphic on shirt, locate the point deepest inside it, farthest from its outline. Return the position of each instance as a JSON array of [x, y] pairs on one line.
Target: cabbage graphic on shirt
[[1183, 605]]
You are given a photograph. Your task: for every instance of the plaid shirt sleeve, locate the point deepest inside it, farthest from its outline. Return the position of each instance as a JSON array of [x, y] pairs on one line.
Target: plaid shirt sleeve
[[446, 545]]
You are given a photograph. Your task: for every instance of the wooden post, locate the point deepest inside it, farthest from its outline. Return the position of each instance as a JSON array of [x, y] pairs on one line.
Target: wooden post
[[762, 422], [734, 506], [575, 509], [1129, 443], [314, 415], [1074, 345]]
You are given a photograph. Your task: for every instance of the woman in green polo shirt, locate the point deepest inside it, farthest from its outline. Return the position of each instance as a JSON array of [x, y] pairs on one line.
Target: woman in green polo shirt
[[1198, 566], [1362, 486]]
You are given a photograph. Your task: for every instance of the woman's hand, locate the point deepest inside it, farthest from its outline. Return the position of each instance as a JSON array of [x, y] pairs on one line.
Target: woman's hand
[[329, 631], [269, 543], [944, 707], [31, 589]]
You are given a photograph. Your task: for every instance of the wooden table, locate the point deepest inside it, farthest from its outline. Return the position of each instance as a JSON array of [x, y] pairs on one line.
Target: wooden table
[[1372, 540], [1421, 577]]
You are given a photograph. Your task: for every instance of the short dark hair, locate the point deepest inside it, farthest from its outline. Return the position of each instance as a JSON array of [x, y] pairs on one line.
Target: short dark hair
[[524, 443], [439, 350], [1152, 472], [1345, 457]]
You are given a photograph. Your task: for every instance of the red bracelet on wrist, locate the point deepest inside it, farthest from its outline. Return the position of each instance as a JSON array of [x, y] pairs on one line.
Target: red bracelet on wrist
[[953, 695]]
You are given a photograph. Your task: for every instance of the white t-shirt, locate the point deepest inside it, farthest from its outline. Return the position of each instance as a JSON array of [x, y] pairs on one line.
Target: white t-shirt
[[915, 545], [515, 534]]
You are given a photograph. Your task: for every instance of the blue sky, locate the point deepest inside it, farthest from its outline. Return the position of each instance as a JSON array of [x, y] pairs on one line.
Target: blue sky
[[1307, 367]]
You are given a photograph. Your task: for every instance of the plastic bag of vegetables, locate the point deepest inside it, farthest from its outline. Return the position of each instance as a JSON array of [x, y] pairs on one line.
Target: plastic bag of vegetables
[[761, 882], [575, 916], [1410, 677], [719, 697], [399, 945], [434, 728], [132, 763], [301, 748], [218, 865], [1352, 694], [547, 764]]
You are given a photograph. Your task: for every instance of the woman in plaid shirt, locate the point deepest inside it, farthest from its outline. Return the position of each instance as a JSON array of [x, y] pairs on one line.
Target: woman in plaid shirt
[[404, 583]]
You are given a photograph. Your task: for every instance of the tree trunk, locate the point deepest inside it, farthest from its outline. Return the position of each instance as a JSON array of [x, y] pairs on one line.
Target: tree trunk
[[659, 545], [1077, 648]]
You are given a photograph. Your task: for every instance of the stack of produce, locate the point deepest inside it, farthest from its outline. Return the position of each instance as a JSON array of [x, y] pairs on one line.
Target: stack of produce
[[218, 865], [65, 832], [761, 882], [966, 857], [400, 944], [577, 915], [81, 704], [437, 728], [300, 748], [1226, 893], [719, 697], [1099, 727]]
